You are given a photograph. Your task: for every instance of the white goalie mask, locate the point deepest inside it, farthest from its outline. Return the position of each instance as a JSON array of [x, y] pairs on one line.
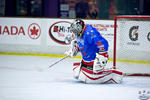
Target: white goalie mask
[[77, 27]]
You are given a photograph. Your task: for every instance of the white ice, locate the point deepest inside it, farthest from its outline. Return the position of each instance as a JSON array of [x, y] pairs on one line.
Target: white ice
[[29, 78]]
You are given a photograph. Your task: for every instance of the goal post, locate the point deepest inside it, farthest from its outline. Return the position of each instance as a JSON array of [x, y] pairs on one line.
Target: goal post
[[131, 51]]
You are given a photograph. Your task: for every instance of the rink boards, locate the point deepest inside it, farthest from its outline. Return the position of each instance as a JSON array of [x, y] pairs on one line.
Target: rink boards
[[43, 35], [46, 36]]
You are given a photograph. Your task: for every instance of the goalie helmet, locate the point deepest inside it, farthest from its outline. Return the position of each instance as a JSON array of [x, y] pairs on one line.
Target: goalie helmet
[[77, 27]]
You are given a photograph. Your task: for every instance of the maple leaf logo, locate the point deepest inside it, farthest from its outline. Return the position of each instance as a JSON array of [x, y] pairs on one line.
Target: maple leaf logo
[[34, 31]]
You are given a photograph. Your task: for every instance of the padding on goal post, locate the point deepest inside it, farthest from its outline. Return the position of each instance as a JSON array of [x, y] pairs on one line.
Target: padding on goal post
[[131, 51]]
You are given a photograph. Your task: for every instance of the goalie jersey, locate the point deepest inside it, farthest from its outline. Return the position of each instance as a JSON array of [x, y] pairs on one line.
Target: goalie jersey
[[90, 43]]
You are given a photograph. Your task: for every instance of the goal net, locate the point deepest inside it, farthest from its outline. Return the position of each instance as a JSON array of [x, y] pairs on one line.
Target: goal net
[[132, 45]]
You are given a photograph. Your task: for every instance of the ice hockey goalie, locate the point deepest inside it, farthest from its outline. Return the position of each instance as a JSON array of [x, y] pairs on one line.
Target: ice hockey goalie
[[94, 50]]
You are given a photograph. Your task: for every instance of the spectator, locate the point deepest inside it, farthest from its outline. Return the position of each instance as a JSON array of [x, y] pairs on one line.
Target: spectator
[[93, 13], [2, 7], [81, 9], [112, 10]]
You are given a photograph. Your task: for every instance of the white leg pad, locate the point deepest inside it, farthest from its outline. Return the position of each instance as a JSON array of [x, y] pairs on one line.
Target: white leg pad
[[105, 76], [76, 70]]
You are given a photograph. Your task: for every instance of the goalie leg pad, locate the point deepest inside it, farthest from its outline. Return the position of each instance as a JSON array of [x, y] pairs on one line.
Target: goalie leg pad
[[89, 76], [106, 76], [76, 70], [117, 76]]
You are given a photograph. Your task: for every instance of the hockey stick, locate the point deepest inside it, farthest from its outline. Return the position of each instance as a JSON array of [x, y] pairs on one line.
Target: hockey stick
[[58, 61], [41, 69]]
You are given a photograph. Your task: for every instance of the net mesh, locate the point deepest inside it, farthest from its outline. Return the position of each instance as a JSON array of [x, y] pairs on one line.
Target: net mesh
[[133, 44]]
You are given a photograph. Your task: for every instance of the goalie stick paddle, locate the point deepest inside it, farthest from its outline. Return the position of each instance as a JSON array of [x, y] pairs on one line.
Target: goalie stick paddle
[[58, 61]]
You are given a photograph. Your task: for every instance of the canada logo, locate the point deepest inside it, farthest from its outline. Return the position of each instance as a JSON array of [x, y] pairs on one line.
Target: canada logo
[[34, 31], [59, 31]]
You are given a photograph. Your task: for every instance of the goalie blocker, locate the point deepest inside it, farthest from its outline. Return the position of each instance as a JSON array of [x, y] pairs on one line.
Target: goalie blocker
[[83, 73]]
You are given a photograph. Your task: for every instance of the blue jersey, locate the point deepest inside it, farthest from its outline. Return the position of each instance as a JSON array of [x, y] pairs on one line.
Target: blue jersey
[[91, 43]]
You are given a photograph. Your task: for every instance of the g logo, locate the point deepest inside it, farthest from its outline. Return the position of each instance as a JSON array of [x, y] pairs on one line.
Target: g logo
[[148, 36], [133, 34]]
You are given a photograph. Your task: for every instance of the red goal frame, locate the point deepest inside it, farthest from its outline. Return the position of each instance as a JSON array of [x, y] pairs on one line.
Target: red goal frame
[[115, 41]]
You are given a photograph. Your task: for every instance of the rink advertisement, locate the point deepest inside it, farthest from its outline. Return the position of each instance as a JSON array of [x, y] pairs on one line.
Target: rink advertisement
[[59, 29], [43, 35], [20, 31], [135, 36]]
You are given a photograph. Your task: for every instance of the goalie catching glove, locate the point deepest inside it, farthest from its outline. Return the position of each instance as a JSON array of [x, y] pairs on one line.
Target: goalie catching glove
[[69, 38], [100, 62], [73, 49]]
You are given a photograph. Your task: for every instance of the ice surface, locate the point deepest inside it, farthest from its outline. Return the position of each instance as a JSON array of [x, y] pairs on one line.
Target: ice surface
[[29, 78]]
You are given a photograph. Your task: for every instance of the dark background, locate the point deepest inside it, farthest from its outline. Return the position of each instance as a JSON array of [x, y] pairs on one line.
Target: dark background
[[89, 9]]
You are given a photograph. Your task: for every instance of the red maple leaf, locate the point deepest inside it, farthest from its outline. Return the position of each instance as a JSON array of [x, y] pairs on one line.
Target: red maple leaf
[[34, 31]]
